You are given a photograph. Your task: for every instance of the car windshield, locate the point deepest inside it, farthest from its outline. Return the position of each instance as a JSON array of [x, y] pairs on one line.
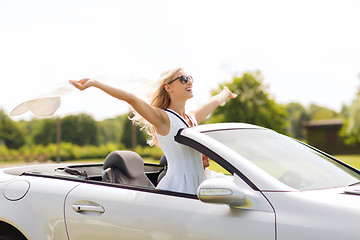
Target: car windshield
[[289, 161]]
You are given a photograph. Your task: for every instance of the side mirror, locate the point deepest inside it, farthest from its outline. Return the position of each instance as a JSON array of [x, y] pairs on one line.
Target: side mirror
[[221, 191]]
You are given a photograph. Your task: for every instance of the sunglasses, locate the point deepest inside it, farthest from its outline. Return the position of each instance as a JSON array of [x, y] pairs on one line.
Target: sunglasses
[[183, 79]]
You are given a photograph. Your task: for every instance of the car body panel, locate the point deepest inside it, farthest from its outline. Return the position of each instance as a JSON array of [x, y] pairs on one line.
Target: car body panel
[[39, 214], [52, 201], [318, 214], [136, 214]]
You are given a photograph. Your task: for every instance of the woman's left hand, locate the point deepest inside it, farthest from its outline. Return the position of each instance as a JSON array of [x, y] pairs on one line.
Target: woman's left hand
[[227, 91]]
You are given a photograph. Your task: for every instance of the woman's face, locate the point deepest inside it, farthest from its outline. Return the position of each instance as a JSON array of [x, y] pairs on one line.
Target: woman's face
[[180, 89]]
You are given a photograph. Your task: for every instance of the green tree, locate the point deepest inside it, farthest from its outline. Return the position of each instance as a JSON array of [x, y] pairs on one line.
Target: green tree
[[127, 135], [45, 133], [253, 105], [297, 115], [10, 134], [317, 112], [344, 113], [28, 130], [111, 130], [79, 129], [351, 128]]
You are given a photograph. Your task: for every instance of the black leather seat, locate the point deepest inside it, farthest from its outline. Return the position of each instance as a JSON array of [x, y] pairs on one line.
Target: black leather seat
[[125, 167]]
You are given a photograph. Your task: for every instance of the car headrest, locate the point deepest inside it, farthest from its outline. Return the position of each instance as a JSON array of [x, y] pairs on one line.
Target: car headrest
[[163, 161], [128, 162]]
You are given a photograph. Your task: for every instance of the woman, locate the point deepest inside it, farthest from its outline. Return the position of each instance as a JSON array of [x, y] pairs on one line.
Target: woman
[[165, 115]]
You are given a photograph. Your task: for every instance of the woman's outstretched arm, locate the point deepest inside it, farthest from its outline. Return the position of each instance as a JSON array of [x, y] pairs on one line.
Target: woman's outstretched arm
[[203, 111], [153, 115]]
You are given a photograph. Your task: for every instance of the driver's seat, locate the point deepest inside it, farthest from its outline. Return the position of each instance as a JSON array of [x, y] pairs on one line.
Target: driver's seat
[[125, 167]]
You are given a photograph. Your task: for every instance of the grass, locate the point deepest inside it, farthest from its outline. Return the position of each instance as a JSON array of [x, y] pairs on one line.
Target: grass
[[353, 160]]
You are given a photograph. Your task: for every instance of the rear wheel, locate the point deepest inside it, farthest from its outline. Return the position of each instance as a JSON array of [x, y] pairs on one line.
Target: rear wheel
[[8, 232], [12, 236]]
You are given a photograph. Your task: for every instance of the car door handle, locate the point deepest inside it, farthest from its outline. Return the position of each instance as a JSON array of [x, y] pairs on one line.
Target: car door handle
[[88, 208]]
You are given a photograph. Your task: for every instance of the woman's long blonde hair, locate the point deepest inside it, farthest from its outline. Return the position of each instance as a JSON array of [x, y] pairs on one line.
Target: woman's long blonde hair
[[160, 99]]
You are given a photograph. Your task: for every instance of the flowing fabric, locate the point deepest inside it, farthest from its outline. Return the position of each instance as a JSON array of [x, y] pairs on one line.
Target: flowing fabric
[[46, 104]]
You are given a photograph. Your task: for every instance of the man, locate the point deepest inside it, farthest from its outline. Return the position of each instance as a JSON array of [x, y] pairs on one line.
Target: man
[[209, 173]]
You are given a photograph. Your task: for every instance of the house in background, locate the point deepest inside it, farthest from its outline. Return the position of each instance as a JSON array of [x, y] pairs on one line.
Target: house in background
[[324, 135]]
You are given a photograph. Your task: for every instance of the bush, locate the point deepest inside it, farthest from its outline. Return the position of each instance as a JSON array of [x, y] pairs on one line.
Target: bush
[[69, 151], [149, 152], [7, 154]]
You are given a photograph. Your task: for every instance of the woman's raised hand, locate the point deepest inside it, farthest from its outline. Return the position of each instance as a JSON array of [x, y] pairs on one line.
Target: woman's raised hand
[[83, 84], [229, 93]]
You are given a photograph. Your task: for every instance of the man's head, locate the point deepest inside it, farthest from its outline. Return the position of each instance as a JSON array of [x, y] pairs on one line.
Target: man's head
[[206, 160]]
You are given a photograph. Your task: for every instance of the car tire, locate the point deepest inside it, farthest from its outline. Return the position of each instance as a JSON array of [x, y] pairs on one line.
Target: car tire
[[12, 236]]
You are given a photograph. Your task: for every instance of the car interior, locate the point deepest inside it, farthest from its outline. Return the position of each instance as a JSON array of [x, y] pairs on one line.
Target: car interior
[[120, 167], [125, 167]]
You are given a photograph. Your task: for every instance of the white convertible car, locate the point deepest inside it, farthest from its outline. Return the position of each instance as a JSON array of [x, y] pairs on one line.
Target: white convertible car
[[279, 188]]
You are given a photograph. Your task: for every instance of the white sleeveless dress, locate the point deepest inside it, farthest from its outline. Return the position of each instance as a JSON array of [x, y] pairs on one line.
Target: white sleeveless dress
[[185, 168]]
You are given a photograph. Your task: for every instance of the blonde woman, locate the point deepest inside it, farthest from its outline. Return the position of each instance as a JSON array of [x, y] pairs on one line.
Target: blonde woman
[[165, 115]]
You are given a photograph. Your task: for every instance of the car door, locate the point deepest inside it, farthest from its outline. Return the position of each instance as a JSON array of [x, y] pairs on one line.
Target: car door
[[106, 211]]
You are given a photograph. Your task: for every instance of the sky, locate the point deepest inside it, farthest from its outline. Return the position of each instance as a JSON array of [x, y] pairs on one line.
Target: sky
[[308, 51]]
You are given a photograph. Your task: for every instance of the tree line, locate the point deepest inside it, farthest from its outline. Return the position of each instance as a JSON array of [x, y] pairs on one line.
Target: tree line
[[254, 105]]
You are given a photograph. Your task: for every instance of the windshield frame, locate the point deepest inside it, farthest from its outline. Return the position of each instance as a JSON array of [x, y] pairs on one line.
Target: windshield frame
[[254, 176], [320, 158]]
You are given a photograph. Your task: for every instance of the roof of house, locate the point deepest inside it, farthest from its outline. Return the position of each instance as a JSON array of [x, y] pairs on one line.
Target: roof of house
[[324, 123]]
